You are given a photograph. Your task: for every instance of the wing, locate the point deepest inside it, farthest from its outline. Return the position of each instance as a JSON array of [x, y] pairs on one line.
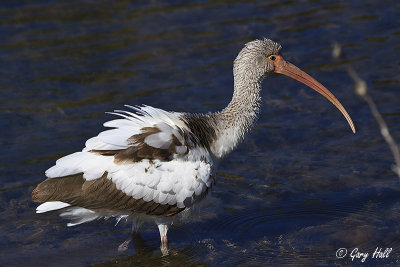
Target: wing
[[150, 162]]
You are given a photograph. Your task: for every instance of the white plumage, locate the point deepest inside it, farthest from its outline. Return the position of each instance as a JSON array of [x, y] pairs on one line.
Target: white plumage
[[50, 206], [170, 182]]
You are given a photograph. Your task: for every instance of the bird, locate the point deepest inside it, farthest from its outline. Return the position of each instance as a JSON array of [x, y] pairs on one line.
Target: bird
[[151, 164]]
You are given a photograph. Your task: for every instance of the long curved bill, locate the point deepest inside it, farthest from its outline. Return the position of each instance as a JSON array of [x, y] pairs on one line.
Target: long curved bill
[[290, 70]]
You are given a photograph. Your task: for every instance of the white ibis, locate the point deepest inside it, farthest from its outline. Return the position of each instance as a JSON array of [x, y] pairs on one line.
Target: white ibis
[[155, 164]]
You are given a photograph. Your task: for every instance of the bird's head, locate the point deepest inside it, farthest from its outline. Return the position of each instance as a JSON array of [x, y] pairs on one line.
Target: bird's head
[[261, 57]]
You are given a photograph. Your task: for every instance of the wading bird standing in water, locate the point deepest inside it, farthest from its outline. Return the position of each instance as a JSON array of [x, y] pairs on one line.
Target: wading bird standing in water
[[157, 164]]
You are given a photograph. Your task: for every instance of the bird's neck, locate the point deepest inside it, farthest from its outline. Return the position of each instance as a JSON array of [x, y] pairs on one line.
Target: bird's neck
[[234, 121]]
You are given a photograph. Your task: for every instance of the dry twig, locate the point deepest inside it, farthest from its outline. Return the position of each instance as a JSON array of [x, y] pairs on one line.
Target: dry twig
[[361, 89]]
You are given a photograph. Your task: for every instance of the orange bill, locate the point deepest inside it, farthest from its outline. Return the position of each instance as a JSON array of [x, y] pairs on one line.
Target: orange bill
[[290, 70]]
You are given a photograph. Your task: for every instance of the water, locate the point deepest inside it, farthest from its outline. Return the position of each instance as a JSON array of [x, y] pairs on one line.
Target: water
[[298, 188]]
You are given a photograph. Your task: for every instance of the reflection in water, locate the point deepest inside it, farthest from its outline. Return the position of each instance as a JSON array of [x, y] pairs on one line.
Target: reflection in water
[[145, 255], [300, 186]]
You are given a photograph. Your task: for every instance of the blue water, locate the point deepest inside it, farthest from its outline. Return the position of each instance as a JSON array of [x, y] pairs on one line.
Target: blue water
[[298, 188]]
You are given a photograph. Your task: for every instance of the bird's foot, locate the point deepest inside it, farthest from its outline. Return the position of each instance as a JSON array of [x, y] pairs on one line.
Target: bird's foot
[[124, 246]]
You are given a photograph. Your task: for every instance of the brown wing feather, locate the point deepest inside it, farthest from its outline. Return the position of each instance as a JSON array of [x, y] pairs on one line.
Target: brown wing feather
[[140, 150], [99, 194]]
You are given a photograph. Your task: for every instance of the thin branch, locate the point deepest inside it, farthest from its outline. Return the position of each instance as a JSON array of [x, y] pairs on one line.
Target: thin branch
[[361, 89]]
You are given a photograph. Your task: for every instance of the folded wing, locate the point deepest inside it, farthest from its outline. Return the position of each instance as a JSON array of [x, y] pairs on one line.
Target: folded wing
[[150, 162]]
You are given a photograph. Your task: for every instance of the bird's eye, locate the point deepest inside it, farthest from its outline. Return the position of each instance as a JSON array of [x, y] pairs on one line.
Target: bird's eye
[[272, 57]]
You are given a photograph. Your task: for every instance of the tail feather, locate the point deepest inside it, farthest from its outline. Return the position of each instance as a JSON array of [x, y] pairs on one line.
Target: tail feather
[[52, 205]]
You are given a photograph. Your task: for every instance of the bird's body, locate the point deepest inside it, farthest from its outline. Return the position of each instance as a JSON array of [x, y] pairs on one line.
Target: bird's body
[[157, 163]]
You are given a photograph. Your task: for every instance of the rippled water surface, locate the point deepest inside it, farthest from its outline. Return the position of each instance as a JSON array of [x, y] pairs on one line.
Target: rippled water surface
[[298, 188]]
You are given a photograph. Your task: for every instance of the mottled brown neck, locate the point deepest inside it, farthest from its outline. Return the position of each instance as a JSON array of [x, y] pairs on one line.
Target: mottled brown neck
[[203, 126]]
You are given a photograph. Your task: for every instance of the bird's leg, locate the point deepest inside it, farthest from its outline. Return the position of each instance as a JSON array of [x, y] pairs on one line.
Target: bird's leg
[[164, 241], [136, 224], [163, 228]]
